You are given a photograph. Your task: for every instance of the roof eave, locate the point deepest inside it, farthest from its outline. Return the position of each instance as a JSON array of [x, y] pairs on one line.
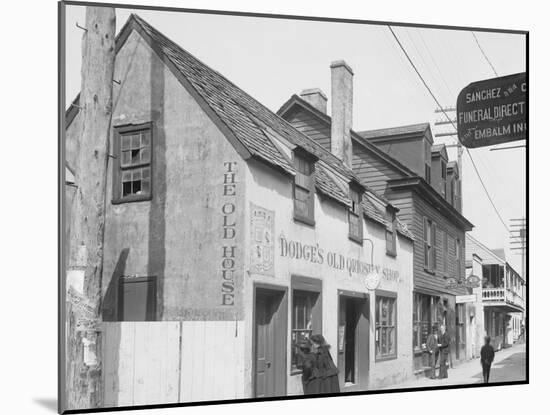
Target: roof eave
[[420, 185]]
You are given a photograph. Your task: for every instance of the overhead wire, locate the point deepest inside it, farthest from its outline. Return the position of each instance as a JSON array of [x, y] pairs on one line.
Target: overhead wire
[[484, 54], [451, 122]]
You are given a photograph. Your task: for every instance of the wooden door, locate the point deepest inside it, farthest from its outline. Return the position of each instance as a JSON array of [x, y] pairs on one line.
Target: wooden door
[[137, 299], [341, 339], [270, 343]]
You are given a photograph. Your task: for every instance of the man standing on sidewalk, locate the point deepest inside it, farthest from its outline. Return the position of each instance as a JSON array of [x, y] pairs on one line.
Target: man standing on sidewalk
[[433, 350], [444, 342], [487, 356]]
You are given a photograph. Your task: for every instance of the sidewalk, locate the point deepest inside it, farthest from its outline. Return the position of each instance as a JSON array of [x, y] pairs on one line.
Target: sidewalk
[[509, 365]]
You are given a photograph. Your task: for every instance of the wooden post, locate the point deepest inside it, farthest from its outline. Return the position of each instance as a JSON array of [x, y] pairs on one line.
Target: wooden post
[[83, 360]]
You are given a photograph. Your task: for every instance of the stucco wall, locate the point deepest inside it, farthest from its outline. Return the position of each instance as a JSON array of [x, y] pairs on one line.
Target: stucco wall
[[271, 190], [178, 235]]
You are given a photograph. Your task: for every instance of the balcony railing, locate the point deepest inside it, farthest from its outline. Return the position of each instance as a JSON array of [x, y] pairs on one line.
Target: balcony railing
[[503, 295]]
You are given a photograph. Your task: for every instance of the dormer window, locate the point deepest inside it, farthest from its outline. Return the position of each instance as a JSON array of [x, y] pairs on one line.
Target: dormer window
[[427, 162], [391, 237], [428, 173], [453, 192], [444, 177], [304, 189], [355, 216]]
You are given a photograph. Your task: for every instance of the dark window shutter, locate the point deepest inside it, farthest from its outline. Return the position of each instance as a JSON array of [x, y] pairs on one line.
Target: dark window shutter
[[434, 246], [426, 243]]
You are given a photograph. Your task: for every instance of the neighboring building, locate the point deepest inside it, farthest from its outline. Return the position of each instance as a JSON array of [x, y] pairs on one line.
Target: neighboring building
[[475, 318], [225, 218], [404, 166], [503, 294]]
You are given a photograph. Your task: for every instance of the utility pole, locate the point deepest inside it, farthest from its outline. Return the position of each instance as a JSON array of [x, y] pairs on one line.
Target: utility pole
[[83, 361], [518, 241], [449, 114]]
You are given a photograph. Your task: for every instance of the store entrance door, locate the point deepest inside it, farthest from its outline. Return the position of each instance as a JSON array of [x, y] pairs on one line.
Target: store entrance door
[[270, 329], [353, 340]]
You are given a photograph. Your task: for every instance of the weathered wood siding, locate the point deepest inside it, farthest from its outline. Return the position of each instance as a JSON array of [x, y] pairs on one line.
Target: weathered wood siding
[[212, 366], [147, 363], [372, 170], [141, 363], [403, 200], [444, 228], [310, 126]]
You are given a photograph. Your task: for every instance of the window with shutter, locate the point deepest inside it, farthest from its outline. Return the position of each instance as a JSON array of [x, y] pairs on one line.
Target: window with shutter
[[391, 237], [428, 173], [355, 216], [445, 252], [429, 245], [426, 244], [457, 251], [434, 247], [304, 190]]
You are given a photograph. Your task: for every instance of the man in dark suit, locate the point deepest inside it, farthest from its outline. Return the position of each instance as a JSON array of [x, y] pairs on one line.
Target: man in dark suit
[[433, 350], [487, 356], [444, 344]]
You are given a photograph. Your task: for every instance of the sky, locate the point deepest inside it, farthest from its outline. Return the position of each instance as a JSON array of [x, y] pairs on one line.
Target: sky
[[271, 59]]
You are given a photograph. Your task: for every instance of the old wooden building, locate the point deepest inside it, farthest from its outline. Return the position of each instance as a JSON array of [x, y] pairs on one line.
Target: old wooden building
[[230, 234], [414, 175], [503, 294]]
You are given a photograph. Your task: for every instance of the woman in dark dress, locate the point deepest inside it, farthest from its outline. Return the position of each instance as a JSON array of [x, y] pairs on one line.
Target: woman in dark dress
[[326, 369], [307, 363]]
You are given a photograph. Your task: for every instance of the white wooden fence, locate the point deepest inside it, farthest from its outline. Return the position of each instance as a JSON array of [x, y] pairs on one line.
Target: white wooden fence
[[147, 363]]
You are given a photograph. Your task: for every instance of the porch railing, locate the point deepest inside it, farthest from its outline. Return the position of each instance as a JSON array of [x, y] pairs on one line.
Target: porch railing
[[502, 295]]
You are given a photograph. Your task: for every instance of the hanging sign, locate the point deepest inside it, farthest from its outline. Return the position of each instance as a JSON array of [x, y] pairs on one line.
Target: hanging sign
[[472, 281], [372, 280], [493, 111], [472, 298], [451, 283]]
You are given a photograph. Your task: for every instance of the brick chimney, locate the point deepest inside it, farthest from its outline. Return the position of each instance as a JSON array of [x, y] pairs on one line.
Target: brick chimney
[[342, 103], [316, 98]]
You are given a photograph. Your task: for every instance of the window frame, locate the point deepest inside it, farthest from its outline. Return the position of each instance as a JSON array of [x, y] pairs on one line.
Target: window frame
[[297, 156], [355, 210], [444, 177], [118, 132], [391, 250], [428, 173], [458, 249], [312, 287], [385, 295], [445, 252], [430, 261]]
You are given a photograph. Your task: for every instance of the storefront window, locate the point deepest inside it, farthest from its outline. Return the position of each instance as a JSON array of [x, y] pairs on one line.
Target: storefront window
[[386, 327], [422, 320], [303, 321]]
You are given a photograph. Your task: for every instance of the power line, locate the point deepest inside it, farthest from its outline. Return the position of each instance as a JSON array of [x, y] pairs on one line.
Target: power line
[[435, 63], [483, 53], [452, 123]]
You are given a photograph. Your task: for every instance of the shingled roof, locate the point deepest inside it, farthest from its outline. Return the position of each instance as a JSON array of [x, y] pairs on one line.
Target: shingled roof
[[243, 115], [392, 131], [247, 121]]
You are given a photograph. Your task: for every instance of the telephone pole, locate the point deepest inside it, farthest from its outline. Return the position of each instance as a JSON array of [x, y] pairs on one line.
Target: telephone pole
[[518, 241], [83, 297]]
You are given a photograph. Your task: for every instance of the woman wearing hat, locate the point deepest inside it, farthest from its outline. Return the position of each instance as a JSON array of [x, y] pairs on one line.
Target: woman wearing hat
[[326, 369], [307, 363]]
